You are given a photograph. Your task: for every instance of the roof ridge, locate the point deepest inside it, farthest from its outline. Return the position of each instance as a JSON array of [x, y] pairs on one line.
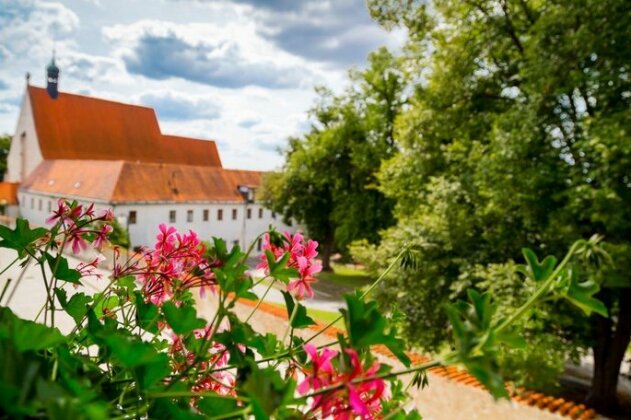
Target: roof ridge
[[95, 98]]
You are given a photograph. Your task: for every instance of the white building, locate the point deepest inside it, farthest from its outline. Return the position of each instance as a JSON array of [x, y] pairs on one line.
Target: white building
[[114, 155]]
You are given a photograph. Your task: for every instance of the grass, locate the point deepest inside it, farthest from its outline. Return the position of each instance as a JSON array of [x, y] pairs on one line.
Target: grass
[[345, 275], [319, 315]]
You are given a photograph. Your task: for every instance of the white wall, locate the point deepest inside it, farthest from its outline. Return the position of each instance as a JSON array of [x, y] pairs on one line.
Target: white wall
[[149, 217], [37, 207], [24, 154]]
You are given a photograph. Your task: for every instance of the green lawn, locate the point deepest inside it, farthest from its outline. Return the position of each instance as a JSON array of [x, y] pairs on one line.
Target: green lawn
[[319, 315], [345, 275]]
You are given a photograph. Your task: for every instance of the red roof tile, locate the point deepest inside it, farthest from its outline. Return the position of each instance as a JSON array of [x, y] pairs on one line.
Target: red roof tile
[[82, 127], [123, 181]]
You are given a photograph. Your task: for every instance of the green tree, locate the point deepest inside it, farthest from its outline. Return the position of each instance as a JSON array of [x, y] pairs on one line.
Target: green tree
[[328, 182], [517, 135], [5, 145]]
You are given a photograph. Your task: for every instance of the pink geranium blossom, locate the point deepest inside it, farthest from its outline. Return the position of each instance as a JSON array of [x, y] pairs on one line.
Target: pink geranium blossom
[[101, 236], [301, 257], [175, 264], [355, 390], [76, 238], [60, 213]]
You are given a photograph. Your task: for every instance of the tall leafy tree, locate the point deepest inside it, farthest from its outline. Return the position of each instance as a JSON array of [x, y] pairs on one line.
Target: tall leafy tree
[[517, 135], [5, 145], [328, 180]]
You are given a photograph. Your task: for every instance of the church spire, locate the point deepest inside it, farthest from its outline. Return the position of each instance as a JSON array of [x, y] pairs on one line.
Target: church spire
[[52, 78]]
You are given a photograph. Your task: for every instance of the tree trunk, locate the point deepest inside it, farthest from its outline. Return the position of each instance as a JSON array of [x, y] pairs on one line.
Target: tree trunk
[[609, 351], [325, 254]]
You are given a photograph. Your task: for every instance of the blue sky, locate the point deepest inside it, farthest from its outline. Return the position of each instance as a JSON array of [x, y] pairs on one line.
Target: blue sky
[[240, 72]]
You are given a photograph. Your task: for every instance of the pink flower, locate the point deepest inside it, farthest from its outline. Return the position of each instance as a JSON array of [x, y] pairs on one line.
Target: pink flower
[[177, 263], [301, 257], [89, 212], [101, 236], [75, 238], [355, 390], [107, 215], [89, 268], [321, 371], [60, 213]]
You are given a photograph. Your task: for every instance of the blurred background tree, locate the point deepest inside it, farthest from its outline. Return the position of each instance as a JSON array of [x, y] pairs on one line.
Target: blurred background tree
[[517, 135], [328, 180], [5, 145]]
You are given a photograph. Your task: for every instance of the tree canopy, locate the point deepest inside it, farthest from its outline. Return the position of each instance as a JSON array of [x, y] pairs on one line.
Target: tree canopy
[[517, 134], [328, 181]]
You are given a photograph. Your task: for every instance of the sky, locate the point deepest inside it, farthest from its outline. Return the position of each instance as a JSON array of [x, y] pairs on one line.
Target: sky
[[239, 72]]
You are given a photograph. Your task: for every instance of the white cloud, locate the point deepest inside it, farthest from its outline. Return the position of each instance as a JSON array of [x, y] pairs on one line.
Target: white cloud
[[31, 27], [240, 73], [176, 106], [229, 55]]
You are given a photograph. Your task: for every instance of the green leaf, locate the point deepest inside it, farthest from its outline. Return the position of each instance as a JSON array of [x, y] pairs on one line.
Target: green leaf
[[582, 294], [21, 237], [217, 405], [27, 335], [536, 270], [300, 319], [220, 248], [105, 305], [147, 314], [267, 391], [278, 269], [149, 374], [130, 351], [182, 320], [366, 327], [77, 306], [59, 267]]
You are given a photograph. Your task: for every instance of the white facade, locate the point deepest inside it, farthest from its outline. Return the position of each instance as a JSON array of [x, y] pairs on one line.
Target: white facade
[[239, 222], [235, 228], [25, 153]]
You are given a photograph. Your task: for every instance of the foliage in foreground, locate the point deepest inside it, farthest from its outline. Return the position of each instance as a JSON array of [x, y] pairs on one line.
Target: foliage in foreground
[[139, 349]]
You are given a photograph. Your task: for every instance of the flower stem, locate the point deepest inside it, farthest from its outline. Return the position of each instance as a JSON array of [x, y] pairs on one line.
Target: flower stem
[[542, 290], [269, 287], [363, 295]]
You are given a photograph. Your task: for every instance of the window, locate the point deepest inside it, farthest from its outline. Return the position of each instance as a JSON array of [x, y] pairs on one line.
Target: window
[[273, 215], [234, 214], [260, 213], [189, 216], [171, 216], [259, 245], [39, 205], [235, 243], [50, 206], [249, 213], [131, 219], [205, 215], [220, 214], [32, 203]]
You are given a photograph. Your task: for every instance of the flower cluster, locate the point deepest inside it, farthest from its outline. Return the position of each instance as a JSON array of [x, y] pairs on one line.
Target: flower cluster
[[176, 263], [347, 392], [79, 225], [301, 257], [210, 377]]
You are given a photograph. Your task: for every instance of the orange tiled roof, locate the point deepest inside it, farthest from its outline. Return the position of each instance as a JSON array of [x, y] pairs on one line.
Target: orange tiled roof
[[8, 192], [124, 181], [81, 127]]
